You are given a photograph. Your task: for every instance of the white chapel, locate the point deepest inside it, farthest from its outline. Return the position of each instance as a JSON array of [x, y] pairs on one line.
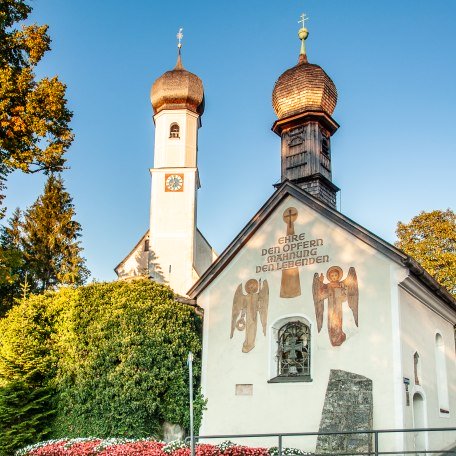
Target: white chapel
[[311, 322]]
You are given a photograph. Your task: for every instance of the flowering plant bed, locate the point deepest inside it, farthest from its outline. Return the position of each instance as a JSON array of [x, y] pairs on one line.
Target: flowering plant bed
[[143, 447]]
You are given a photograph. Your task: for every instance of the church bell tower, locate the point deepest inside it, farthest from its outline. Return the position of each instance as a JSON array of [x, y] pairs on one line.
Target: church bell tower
[[304, 98], [178, 102]]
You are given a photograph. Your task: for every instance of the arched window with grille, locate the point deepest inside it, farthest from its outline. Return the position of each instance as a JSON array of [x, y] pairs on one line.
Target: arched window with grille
[[174, 130], [293, 353]]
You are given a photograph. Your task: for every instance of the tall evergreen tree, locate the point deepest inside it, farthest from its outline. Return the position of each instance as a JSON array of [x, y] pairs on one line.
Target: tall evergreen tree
[[12, 271], [49, 240], [25, 413]]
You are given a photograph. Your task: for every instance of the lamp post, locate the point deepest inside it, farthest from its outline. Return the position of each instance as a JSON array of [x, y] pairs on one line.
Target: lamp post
[[190, 381]]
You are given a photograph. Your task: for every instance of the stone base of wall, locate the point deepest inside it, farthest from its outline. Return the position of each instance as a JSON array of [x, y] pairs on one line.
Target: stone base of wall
[[348, 407], [172, 432]]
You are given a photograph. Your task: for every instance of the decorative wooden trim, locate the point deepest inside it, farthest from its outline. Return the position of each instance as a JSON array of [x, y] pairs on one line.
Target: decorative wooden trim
[[312, 177], [321, 117]]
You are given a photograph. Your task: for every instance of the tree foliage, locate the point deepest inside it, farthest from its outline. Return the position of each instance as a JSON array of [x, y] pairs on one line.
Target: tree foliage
[[34, 118], [430, 238], [49, 241], [26, 367], [25, 413], [113, 355], [45, 240], [12, 273], [123, 349]]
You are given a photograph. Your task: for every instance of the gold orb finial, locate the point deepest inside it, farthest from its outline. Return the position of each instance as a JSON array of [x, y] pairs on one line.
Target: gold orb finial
[[303, 33]]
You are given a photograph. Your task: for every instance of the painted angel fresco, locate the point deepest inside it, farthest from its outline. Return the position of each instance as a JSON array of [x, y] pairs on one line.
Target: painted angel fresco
[[337, 291], [246, 307]]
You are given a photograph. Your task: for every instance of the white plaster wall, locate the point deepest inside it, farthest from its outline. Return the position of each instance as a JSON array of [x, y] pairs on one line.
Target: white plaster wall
[[135, 265], [176, 152], [296, 407], [173, 214], [203, 254], [419, 326], [172, 228]]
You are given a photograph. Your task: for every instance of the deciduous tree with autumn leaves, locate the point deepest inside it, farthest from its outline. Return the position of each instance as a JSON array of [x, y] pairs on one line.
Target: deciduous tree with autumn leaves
[[34, 137], [430, 238], [34, 118]]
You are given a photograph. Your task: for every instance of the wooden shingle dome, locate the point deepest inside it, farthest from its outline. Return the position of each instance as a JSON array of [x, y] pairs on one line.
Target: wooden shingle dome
[[304, 87], [178, 89]]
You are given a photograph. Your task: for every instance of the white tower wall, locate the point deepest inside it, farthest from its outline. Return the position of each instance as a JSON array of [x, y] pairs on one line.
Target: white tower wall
[[173, 213]]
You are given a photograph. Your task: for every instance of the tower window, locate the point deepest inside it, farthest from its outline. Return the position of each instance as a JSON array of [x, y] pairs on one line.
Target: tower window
[[441, 373], [174, 130], [416, 368], [146, 245]]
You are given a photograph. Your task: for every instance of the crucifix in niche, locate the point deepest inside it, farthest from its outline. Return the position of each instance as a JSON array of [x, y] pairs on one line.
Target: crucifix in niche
[[291, 349], [290, 286]]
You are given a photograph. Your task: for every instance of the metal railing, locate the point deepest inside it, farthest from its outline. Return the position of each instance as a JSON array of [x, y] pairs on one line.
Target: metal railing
[[375, 447]]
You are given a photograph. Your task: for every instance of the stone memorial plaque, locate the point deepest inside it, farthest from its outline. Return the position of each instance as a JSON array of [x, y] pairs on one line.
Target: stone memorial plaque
[[348, 407], [244, 389]]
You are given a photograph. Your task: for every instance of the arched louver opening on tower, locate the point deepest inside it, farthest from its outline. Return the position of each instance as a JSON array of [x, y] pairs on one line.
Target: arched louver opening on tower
[[174, 130]]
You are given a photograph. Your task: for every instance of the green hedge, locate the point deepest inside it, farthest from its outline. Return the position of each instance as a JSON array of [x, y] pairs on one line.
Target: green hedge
[[112, 355]]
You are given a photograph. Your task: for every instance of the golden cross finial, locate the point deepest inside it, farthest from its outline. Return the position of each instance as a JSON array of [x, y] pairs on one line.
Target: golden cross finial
[[303, 33], [303, 20], [179, 37]]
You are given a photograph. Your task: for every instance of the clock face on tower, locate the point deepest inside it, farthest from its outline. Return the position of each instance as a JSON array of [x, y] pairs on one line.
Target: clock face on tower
[[174, 182]]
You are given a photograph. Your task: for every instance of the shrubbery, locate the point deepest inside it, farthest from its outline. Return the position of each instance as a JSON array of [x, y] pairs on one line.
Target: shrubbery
[[104, 359]]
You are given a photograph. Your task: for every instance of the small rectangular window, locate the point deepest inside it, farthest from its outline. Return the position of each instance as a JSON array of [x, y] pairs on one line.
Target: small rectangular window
[[146, 245]]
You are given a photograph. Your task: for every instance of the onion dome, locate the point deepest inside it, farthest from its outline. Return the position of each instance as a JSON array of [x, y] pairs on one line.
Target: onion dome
[[304, 87], [178, 89]]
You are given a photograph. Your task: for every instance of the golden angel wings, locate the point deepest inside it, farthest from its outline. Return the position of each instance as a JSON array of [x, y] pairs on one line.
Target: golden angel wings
[[337, 292], [246, 307]]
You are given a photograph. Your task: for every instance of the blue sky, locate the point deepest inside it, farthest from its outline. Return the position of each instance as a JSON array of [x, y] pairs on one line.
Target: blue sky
[[393, 62]]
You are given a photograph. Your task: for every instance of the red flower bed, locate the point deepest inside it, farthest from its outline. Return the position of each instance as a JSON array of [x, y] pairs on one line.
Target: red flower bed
[[245, 451], [134, 449], [139, 448], [207, 450], [78, 449], [50, 450]]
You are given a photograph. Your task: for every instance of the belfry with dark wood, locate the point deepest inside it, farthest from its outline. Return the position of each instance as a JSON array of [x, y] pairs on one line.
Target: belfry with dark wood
[[304, 98]]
